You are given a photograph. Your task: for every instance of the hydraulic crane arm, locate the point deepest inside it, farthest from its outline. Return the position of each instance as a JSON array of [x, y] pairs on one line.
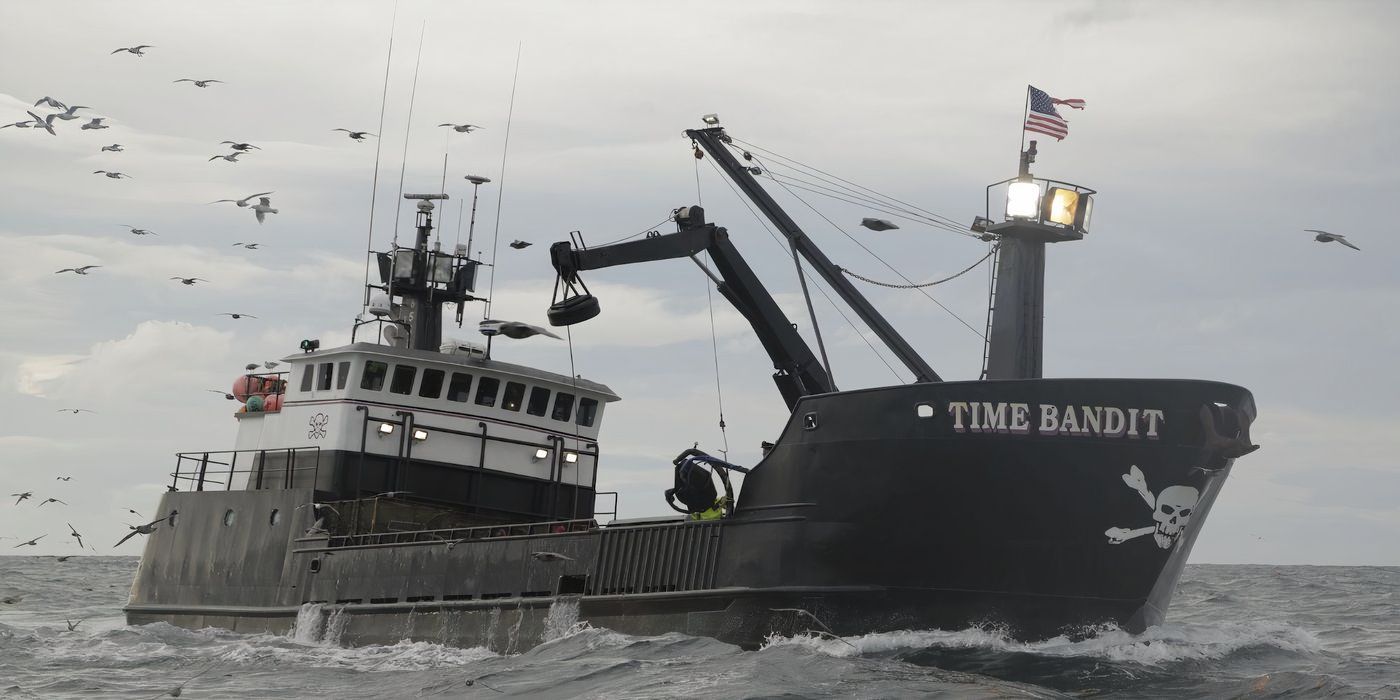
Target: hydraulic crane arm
[[799, 373]]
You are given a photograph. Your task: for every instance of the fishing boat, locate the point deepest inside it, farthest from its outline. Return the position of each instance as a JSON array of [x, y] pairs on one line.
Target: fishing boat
[[400, 487]]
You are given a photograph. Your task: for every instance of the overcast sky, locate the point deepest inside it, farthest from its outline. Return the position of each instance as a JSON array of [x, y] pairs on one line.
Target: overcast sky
[[1215, 133]]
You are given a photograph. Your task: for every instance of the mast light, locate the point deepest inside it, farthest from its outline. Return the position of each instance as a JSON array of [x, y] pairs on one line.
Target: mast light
[[1022, 199], [710, 119]]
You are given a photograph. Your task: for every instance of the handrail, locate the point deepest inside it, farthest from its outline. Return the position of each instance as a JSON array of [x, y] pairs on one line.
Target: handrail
[[200, 474], [460, 534]]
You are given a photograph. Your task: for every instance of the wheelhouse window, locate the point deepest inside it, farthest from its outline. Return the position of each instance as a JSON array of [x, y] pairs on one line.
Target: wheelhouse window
[[539, 401], [587, 412], [402, 383], [460, 389], [373, 378], [515, 393], [324, 374], [343, 375], [431, 386], [308, 375], [486, 391], [563, 406]]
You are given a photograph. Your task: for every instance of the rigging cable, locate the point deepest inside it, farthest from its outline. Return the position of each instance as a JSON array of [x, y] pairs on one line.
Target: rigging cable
[[501, 190], [714, 337], [949, 278], [378, 143], [774, 236], [408, 129]]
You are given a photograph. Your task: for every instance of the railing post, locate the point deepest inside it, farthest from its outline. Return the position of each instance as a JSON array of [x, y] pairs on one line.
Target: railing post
[[203, 466], [262, 464]]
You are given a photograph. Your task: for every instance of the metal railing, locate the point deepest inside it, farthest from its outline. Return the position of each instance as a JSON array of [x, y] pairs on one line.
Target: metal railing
[[462, 534], [195, 467]]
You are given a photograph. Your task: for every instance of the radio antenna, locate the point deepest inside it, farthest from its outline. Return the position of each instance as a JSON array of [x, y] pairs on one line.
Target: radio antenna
[[500, 192], [378, 143]]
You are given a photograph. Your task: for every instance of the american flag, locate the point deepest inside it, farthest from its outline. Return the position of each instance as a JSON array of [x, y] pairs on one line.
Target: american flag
[[1042, 117]]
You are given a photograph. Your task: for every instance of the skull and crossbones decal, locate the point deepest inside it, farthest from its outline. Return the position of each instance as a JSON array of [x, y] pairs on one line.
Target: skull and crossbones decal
[[1171, 509]]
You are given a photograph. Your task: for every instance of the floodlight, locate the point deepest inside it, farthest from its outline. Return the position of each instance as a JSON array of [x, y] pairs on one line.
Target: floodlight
[[1060, 206], [1022, 200], [711, 119]]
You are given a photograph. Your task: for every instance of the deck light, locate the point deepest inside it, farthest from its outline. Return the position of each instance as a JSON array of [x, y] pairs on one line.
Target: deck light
[[1022, 200], [571, 457], [420, 434], [386, 428], [541, 453], [1061, 206], [711, 119]]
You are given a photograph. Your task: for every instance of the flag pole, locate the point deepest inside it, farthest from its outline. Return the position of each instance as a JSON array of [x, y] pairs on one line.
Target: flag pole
[[1025, 110]]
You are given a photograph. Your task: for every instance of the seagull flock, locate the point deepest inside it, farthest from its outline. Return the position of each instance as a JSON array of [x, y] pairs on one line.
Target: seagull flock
[[259, 203]]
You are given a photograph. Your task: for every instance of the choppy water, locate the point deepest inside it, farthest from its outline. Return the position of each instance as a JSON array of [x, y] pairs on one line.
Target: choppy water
[[1235, 631]]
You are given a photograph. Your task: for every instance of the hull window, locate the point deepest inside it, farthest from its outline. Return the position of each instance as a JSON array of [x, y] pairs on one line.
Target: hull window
[[431, 386], [373, 378], [539, 401], [563, 406], [515, 393], [461, 387], [344, 375], [402, 383], [486, 391], [587, 412]]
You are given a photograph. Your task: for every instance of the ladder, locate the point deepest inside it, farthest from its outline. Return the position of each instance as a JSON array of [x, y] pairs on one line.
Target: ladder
[[991, 309]]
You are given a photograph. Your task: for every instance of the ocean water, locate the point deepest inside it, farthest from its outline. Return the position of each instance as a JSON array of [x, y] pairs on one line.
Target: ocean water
[[1234, 631]]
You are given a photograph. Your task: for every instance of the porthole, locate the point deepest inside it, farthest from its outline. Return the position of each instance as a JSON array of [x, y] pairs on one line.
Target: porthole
[[924, 410], [174, 515], [228, 517], [275, 518]]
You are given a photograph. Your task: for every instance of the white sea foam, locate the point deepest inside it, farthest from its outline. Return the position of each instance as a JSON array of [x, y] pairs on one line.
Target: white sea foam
[[1158, 645]]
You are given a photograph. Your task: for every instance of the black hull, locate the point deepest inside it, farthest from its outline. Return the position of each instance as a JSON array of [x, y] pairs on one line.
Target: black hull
[[866, 516]]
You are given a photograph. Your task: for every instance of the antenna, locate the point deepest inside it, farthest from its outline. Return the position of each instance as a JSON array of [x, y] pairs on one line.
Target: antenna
[[500, 193], [378, 144]]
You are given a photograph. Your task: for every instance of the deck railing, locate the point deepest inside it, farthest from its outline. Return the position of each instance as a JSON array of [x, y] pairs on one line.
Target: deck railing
[[452, 536], [219, 467]]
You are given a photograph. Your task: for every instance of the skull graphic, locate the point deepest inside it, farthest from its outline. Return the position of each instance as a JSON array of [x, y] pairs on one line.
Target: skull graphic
[[1173, 512]]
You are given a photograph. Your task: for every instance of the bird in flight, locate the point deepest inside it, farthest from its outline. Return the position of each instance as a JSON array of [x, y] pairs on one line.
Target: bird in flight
[[135, 513], [463, 128], [22, 496], [392, 494], [137, 50], [189, 281], [50, 500], [140, 231], [357, 135], [111, 174], [146, 529], [249, 246], [1325, 237], [63, 478], [70, 112], [96, 123], [550, 556], [71, 624], [227, 395], [74, 411], [197, 83], [520, 245], [263, 208], [46, 100], [78, 270], [115, 148], [23, 125], [242, 202], [239, 146], [230, 157], [512, 329], [237, 316], [45, 123], [75, 535], [31, 543]]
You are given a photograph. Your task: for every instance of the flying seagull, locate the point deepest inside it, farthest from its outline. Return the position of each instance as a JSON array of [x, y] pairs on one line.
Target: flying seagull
[[71, 624], [270, 364], [263, 208], [69, 112], [74, 411], [111, 174], [242, 202], [50, 500], [64, 558], [23, 125], [877, 224], [237, 316], [1325, 237], [392, 494], [74, 534], [77, 270], [197, 83], [140, 231], [46, 100], [189, 281], [32, 543], [249, 246], [22, 496], [463, 128], [63, 478], [175, 691], [357, 135], [135, 513], [45, 123], [230, 157], [550, 556], [216, 391], [239, 146], [137, 50], [96, 123], [146, 529], [12, 598], [519, 244], [115, 148], [512, 329]]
